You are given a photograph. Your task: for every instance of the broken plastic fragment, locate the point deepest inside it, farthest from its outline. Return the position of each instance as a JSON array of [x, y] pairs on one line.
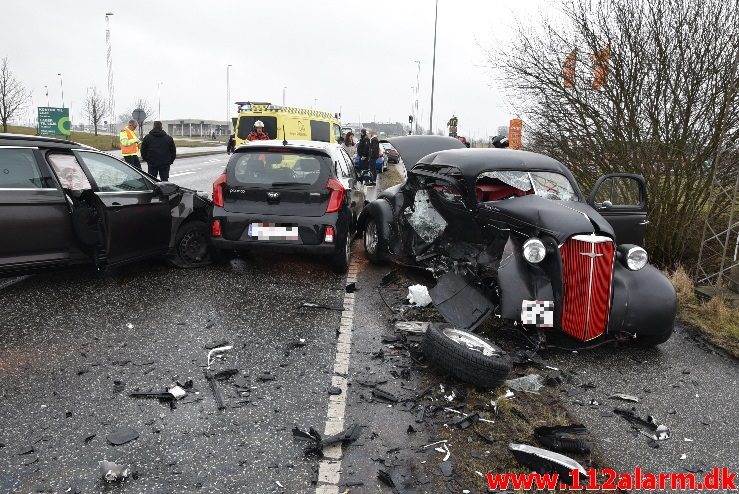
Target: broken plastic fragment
[[351, 287], [467, 421], [530, 383], [220, 349], [446, 468], [545, 461], [122, 436], [559, 438], [216, 344], [334, 390], [418, 295], [624, 397], [413, 327], [384, 395], [178, 392], [112, 472]]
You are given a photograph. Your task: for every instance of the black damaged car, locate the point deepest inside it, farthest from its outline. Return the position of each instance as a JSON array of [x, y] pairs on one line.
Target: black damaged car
[[64, 204], [510, 233]]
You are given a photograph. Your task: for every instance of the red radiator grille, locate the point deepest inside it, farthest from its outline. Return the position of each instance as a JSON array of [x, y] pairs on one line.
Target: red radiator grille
[[587, 272]]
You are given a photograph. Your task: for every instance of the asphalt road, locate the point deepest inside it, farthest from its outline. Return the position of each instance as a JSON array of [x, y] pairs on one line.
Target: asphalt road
[[68, 338], [199, 172]]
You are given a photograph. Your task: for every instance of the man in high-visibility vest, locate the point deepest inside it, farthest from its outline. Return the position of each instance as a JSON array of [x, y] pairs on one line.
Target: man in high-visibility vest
[[130, 143]]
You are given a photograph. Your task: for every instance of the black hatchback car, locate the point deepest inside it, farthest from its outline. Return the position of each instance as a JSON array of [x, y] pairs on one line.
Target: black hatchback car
[[63, 203], [301, 196]]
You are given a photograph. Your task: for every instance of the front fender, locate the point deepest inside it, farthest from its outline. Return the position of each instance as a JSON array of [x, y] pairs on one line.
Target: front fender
[[381, 211], [644, 302], [190, 205]]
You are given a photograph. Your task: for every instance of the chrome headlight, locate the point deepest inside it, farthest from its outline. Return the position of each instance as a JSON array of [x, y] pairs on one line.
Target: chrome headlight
[[636, 258], [534, 250]]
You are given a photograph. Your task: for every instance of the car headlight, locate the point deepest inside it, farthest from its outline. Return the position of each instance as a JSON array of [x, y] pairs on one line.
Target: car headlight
[[636, 258], [534, 250]]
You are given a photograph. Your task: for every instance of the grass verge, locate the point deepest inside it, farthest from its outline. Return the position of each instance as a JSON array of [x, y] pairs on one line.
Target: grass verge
[[714, 319], [103, 142]]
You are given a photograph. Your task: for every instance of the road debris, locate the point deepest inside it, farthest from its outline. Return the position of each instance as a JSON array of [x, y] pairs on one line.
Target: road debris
[[624, 397], [216, 351], [418, 295], [384, 395], [178, 392], [660, 432], [122, 436], [560, 438], [412, 327], [466, 421], [215, 344], [217, 393], [351, 287], [334, 390], [446, 468], [317, 442], [312, 305], [112, 472], [545, 461], [530, 383]]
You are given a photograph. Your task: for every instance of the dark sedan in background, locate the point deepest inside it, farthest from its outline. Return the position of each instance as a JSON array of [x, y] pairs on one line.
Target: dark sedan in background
[[63, 203], [301, 196], [391, 153]]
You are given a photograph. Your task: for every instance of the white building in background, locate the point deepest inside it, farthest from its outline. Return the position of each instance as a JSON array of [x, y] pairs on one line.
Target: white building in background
[[503, 130], [188, 127]]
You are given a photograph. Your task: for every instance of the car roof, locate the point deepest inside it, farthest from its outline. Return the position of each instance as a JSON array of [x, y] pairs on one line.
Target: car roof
[[472, 162], [24, 140], [320, 145]]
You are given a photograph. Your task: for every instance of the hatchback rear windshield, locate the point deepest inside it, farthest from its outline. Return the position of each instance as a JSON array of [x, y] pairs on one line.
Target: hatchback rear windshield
[[275, 168]]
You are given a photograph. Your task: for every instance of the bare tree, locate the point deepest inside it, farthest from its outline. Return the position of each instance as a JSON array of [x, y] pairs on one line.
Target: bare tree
[[13, 95], [95, 108], [640, 87]]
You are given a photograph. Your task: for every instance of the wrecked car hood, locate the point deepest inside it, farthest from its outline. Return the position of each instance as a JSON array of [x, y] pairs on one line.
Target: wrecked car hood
[[561, 219], [413, 148]]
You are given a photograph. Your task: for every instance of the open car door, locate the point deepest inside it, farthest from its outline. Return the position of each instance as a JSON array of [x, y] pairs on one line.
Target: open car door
[[621, 198]]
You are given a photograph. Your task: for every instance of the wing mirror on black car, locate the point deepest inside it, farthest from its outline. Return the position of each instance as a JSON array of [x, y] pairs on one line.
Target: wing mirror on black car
[[604, 205], [166, 189]]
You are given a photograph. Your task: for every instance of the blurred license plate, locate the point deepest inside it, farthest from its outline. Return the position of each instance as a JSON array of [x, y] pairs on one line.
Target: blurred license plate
[[271, 231], [538, 312]]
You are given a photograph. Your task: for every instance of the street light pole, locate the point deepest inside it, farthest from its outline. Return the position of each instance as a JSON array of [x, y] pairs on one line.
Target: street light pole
[[61, 84], [109, 62], [283, 95], [47, 96], [418, 91], [433, 72], [228, 98], [159, 100]]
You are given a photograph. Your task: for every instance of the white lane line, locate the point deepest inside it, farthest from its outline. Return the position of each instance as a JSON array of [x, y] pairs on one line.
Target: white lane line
[[329, 468], [181, 174]]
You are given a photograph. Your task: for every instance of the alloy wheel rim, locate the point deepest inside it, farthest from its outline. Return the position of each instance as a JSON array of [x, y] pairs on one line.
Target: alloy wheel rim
[[470, 341], [370, 237]]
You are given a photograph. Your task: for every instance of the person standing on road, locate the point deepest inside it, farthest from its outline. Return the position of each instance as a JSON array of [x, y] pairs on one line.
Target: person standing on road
[[159, 152], [258, 134], [130, 144], [374, 155], [349, 145], [231, 145], [363, 150]]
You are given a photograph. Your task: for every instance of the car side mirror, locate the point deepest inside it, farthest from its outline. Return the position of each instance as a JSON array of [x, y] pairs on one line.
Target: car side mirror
[[605, 205], [166, 189]]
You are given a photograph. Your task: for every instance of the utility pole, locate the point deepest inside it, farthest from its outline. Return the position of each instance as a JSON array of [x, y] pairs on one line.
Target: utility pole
[[433, 71], [159, 100], [228, 98], [109, 61], [47, 96], [283, 95]]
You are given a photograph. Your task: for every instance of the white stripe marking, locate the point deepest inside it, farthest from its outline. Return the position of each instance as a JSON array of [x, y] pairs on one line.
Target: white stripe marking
[[181, 174], [329, 468]]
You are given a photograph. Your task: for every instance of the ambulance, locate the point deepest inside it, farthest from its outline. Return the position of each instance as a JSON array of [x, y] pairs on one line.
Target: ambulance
[[286, 122]]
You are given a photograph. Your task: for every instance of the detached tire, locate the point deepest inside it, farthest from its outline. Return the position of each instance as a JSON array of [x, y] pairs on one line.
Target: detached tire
[[191, 247], [466, 356]]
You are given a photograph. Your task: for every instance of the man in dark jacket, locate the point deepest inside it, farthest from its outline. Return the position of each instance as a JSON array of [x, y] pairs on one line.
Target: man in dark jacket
[[374, 155], [159, 152], [363, 149]]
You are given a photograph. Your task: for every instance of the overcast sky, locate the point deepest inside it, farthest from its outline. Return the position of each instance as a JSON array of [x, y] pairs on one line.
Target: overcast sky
[[349, 56]]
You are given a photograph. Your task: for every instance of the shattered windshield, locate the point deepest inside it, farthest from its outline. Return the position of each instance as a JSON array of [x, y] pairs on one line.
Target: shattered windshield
[[498, 185]]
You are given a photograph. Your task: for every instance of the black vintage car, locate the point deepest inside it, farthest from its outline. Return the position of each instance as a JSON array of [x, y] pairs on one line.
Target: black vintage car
[[63, 203], [510, 233]]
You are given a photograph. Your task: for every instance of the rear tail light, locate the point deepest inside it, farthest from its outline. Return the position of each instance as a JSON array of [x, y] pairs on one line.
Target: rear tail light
[[329, 234], [337, 195], [218, 190], [215, 228]]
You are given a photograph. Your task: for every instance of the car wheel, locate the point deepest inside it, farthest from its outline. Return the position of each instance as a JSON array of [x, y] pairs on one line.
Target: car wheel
[[341, 256], [372, 242], [466, 356], [191, 249]]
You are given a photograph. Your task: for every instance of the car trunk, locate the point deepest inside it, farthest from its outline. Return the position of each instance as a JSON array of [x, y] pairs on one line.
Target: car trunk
[[278, 181]]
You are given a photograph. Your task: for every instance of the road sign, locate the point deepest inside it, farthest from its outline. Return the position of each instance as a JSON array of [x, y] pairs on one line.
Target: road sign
[[139, 115], [514, 133], [54, 121]]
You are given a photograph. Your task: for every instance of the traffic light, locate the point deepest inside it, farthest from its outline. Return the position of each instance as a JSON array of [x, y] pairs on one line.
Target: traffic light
[[410, 119]]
